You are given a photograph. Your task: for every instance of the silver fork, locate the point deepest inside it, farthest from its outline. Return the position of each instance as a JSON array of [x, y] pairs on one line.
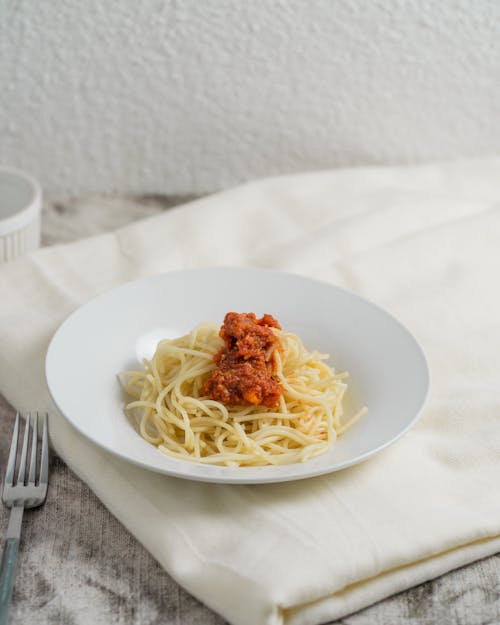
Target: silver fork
[[20, 494]]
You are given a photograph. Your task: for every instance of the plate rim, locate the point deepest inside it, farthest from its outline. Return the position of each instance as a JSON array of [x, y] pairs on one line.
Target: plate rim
[[235, 479]]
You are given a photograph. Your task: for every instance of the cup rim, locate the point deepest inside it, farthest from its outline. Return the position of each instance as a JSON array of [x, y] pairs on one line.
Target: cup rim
[[30, 212]]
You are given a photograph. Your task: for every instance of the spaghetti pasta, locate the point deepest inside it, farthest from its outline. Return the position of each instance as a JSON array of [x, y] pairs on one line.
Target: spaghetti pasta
[[175, 413]]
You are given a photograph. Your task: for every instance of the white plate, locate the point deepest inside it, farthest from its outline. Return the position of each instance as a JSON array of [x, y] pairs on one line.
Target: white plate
[[388, 370]]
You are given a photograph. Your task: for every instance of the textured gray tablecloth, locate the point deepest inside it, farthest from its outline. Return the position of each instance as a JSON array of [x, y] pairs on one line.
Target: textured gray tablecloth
[[79, 566]]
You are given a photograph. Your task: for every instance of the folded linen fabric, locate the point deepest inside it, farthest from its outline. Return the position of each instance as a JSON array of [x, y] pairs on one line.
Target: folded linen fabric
[[420, 241]]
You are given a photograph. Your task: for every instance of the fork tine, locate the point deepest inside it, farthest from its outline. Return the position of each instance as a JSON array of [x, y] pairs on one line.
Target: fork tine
[[11, 464], [44, 471], [34, 441], [24, 450]]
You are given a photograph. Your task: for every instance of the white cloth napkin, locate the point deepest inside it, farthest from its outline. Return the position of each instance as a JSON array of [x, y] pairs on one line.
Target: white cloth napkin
[[422, 242]]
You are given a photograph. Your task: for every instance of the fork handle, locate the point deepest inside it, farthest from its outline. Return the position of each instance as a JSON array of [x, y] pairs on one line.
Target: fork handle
[[7, 575]]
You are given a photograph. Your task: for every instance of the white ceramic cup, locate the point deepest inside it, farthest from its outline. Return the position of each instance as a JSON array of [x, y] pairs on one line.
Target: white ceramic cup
[[20, 213]]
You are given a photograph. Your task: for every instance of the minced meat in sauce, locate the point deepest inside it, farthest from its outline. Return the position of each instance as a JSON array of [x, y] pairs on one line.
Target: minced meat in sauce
[[245, 367]]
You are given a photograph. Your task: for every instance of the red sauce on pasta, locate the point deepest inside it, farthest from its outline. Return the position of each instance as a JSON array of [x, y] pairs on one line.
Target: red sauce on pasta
[[245, 366]]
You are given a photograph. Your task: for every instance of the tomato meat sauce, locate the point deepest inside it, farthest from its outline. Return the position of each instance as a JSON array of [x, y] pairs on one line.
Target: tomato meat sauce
[[245, 366]]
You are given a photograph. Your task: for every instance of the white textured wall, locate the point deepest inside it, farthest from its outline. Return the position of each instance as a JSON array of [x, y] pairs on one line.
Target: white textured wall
[[193, 95]]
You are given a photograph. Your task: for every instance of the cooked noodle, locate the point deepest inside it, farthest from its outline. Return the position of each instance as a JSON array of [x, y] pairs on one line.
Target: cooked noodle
[[175, 416]]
